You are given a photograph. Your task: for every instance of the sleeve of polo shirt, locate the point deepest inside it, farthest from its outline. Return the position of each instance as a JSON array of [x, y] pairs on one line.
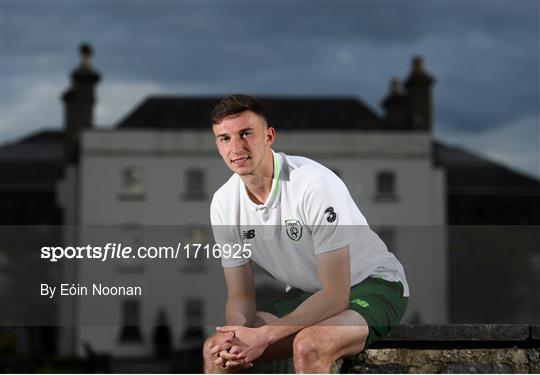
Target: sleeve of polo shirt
[[327, 214], [225, 234]]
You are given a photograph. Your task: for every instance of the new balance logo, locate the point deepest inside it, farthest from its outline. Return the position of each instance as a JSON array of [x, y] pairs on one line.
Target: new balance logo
[[248, 234], [360, 302]]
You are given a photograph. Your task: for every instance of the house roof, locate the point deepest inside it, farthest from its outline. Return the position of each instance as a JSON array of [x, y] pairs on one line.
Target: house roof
[[470, 173], [464, 168], [35, 160], [299, 113], [42, 146]]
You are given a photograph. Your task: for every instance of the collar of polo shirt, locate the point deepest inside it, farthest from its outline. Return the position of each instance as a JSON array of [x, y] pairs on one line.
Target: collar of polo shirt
[[272, 199]]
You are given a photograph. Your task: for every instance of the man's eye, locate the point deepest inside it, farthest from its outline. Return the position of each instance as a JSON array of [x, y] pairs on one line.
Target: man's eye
[[244, 134], [223, 139]]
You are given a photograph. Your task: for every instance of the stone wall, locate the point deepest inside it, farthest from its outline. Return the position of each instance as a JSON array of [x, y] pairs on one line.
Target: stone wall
[[451, 349]]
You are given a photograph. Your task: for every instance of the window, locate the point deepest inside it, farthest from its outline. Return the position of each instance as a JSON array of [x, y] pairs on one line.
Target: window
[[194, 311], [386, 186], [386, 183], [195, 181], [195, 236], [132, 183], [194, 321], [131, 315], [131, 235]]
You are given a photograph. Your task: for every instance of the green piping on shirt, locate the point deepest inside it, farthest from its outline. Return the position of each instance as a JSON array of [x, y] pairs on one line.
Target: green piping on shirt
[[276, 168]]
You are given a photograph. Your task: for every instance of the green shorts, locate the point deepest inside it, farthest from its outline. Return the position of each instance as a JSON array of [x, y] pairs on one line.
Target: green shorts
[[379, 302]]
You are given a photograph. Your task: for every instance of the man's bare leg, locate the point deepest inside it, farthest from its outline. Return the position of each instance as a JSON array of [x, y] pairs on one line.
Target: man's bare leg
[[209, 366], [316, 348], [279, 350]]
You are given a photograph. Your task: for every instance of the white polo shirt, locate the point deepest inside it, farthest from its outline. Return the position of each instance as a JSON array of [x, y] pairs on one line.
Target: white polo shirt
[[309, 211]]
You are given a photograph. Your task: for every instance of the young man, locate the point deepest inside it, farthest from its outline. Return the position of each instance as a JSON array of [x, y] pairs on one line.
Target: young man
[[300, 224]]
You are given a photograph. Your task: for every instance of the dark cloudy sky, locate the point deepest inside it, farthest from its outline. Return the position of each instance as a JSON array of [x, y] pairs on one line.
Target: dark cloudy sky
[[484, 55]]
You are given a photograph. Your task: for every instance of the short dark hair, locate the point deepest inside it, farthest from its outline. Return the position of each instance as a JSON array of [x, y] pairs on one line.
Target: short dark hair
[[233, 105]]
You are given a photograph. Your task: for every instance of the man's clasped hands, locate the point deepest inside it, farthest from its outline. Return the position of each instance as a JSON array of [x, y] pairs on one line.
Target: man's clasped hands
[[238, 346]]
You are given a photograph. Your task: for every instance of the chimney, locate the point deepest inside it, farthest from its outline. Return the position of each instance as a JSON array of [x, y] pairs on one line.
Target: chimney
[[395, 107], [79, 101], [418, 91]]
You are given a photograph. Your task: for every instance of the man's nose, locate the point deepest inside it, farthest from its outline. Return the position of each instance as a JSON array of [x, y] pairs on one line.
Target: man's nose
[[237, 144]]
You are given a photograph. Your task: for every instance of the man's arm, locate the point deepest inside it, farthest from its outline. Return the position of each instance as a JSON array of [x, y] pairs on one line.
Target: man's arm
[[334, 273], [333, 298], [240, 308]]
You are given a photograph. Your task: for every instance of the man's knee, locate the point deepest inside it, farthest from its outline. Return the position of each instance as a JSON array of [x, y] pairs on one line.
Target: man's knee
[[209, 343], [210, 366], [307, 347], [363, 333], [317, 343]]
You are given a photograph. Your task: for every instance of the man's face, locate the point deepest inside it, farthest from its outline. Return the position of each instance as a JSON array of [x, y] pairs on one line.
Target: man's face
[[243, 141]]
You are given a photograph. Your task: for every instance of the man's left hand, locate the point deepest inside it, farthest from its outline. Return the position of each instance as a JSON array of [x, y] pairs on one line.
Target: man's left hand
[[250, 342]]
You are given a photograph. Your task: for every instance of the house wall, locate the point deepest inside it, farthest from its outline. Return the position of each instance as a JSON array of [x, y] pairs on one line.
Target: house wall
[[412, 218]]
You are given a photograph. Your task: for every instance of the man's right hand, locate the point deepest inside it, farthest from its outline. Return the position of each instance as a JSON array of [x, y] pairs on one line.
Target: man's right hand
[[220, 348], [220, 355], [220, 341]]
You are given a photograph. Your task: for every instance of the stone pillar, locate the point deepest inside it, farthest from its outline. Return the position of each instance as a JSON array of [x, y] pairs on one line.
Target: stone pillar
[[79, 101], [418, 86], [395, 107]]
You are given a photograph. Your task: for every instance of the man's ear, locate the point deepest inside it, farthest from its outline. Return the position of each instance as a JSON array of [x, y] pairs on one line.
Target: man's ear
[[270, 135]]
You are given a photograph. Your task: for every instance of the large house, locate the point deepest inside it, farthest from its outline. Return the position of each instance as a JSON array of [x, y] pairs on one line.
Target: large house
[[153, 175]]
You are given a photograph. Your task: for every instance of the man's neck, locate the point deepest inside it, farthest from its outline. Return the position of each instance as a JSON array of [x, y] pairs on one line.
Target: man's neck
[[259, 186]]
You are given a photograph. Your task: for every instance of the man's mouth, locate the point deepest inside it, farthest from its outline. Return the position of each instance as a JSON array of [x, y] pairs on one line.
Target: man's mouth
[[240, 160]]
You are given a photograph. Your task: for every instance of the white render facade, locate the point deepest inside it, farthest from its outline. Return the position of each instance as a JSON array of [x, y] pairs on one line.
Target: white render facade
[[410, 216]]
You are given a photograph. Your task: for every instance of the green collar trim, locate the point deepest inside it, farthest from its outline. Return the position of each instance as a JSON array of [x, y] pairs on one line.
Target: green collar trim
[[277, 168]]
